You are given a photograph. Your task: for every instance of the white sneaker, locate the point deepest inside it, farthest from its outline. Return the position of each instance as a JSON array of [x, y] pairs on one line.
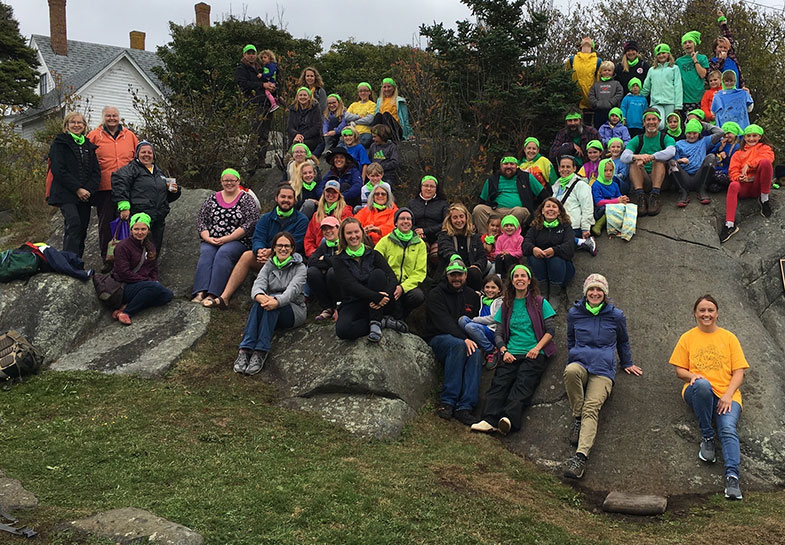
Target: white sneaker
[[483, 426]]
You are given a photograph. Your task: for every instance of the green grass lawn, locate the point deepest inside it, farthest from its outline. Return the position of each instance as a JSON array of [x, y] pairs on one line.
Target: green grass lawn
[[206, 448]]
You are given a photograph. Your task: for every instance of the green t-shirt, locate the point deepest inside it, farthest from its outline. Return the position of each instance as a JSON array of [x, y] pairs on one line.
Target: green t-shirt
[[691, 82], [508, 191], [650, 146], [522, 338]]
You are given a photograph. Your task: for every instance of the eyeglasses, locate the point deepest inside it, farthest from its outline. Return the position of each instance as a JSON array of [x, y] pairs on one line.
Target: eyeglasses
[[283, 246]]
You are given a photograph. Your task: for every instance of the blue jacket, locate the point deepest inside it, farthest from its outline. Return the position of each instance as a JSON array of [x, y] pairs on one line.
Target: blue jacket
[[696, 152], [351, 183], [633, 106], [594, 340], [619, 131], [270, 225]]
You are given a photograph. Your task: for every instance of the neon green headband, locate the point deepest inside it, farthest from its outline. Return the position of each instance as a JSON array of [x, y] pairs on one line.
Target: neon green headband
[[306, 89], [509, 219], [249, 47], [336, 96], [389, 81], [303, 146], [732, 127], [662, 48], [655, 113], [753, 129], [347, 131], [231, 171], [615, 139], [140, 217], [364, 84], [530, 140], [573, 115], [426, 178], [524, 267], [596, 144], [508, 159], [693, 35]]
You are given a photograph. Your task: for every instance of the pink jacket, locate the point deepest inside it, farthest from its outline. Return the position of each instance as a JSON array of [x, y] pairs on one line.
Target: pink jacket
[[510, 244]]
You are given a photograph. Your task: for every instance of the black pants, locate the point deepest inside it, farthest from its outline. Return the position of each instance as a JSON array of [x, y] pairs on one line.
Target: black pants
[[262, 125], [600, 117], [322, 284], [505, 263], [355, 317], [512, 389], [697, 181], [407, 303], [107, 211], [474, 278], [76, 218], [387, 119]]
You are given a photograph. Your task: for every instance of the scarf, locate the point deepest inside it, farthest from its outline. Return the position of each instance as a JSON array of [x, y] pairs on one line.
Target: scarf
[[487, 301], [331, 243], [78, 138], [594, 310], [633, 63], [330, 208], [281, 264], [356, 253], [602, 78], [551, 224], [379, 206], [403, 237], [282, 214], [309, 185], [564, 181], [675, 134]]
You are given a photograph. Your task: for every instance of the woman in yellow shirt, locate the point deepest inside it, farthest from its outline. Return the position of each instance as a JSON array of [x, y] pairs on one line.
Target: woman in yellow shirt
[[711, 363], [391, 110], [360, 114]]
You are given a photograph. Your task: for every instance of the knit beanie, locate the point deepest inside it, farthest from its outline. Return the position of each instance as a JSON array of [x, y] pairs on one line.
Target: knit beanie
[[693, 125], [143, 143], [595, 280], [140, 217], [630, 45], [399, 211], [633, 81]]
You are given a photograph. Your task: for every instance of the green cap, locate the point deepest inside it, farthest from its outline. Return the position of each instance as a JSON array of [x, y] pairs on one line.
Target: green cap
[[524, 267], [529, 140], [753, 129], [306, 89], [303, 146], [634, 81], [596, 144], [662, 48], [389, 81], [732, 127], [509, 219], [616, 111], [249, 47], [508, 159], [140, 217], [426, 178], [693, 35], [700, 113], [693, 125], [364, 84], [573, 115], [231, 171]]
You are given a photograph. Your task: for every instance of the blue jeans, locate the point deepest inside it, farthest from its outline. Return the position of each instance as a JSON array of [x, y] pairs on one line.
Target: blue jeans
[[701, 398], [366, 139], [554, 269], [141, 295], [262, 323], [215, 266], [479, 333], [461, 372]]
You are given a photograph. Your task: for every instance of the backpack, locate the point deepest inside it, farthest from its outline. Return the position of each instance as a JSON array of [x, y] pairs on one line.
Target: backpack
[[640, 142], [18, 358], [596, 69], [19, 263]]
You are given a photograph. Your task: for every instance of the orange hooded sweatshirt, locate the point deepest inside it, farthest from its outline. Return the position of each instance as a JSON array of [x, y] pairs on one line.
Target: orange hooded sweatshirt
[[112, 153], [750, 155]]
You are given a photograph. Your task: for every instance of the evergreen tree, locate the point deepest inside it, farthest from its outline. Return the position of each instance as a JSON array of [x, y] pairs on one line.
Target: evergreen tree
[[18, 64]]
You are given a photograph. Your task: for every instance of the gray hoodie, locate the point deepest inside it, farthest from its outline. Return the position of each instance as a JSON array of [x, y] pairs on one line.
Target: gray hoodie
[[286, 284]]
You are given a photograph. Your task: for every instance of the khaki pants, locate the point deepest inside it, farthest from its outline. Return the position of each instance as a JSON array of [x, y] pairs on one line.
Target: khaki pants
[[482, 212], [586, 393]]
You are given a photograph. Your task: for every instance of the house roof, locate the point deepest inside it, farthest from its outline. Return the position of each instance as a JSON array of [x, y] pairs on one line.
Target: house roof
[[85, 61]]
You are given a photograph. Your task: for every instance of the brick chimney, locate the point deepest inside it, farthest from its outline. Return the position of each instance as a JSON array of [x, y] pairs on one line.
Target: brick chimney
[[137, 39], [57, 33], [202, 14]]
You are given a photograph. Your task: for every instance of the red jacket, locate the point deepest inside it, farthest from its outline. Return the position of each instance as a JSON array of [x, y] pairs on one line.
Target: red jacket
[[313, 235], [749, 156], [112, 153]]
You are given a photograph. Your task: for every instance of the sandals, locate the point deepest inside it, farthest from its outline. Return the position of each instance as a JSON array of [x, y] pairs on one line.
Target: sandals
[[376, 332], [325, 314], [215, 302], [199, 297], [396, 325]]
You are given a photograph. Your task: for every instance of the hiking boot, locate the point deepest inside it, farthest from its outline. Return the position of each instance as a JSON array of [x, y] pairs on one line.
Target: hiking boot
[[444, 411], [707, 452], [640, 201], [765, 209], [482, 426], [504, 425], [596, 229], [575, 467], [732, 489], [654, 204], [256, 363], [465, 417], [575, 432], [241, 363], [727, 232]]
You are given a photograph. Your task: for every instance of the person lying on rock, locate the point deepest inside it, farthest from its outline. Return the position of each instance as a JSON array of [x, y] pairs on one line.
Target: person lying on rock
[[282, 218], [136, 264], [596, 331], [524, 337], [709, 360], [448, 302], [278, 292]]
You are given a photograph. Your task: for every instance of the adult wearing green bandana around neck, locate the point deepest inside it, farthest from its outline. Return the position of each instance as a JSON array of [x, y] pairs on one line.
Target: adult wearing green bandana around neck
[[279, 303], [366, 284], [407, 255], [391, 110], [596, 332], [573, 138], [75, 177], [304, 125], [693, 67], [631, 66]]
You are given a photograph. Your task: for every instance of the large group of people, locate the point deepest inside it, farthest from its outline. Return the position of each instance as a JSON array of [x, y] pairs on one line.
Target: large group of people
[[339, 233]]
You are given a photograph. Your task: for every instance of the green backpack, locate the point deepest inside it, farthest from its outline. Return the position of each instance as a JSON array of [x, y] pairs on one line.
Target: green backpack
[[19, 263]]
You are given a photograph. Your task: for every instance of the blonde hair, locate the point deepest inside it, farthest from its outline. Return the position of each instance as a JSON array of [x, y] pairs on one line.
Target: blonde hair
[[374, 168], [447, 224], [339, 112], [355, 134], [337, 213], [657, 63], [394, 96], [296, 177], [268, 53], [69, 116], [607, 64], [317, 78]]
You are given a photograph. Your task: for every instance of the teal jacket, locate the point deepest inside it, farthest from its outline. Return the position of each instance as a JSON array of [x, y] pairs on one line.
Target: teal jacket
[[403, 115], [663, 86]]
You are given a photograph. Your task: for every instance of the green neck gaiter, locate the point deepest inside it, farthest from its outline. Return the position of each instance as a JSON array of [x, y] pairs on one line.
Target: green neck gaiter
[[379, 206], [78, 138], [676, 133], [369, 186], [564, 181], [329, 208], [603, 78], [282, 214], [551, 224], [487, 301], [331, 243], [594, 310], [356, 253], [633, 63], [403, 237], [281, 264], [309, 185]]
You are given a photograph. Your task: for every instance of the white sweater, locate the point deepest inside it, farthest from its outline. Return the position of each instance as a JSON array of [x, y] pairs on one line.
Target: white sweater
[[579, 205]]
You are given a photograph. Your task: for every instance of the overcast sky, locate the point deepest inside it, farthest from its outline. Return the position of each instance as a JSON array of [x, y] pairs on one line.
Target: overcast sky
[[109, 22]]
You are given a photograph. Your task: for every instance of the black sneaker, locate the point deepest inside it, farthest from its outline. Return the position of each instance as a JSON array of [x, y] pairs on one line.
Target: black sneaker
[[575, 432], [465, 417], [765, 209], [444, 411], [727, 232], [640, 201], [732, 489], [654, 204], [575, 467], [707, 451]]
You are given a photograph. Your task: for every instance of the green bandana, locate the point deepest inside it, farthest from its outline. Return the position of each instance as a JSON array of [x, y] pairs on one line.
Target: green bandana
[[356, 253], [634, 81], [331, 243], [753, 129], [403, 237], [364, 84], [675, 133], [616, 139], [281, 264], [662, 48], [140, 217], [596, 144], [508, 159], [231, 171], [489, 239], [603, 78], [574, 115], [282, 214], [510, 220], [487, 301], [336, 96], [633, 63], [551, 224], [78, 138], [389, 81], [347, 132], [309, 185], [426, 178], [529, 140], [379, 206], [524, 267], [692, 35], [594, 310], [731, 127], [303, 146], [601, 171], [328, 208], [306, 89], [693, 125], [369, 186], [699, 113], [655, 113], [616, 111], [564, 181]]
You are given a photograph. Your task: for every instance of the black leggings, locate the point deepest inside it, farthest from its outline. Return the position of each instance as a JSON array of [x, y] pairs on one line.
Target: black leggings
[[505, 263], [355, 317], [512, 389], [322, 286]]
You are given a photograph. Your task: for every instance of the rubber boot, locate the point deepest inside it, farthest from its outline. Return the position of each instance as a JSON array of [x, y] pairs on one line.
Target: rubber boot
[[596, 229]]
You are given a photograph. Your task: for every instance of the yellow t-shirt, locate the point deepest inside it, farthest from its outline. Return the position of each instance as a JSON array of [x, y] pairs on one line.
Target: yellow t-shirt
[[389, 106], [714, 356], [362, 109]]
